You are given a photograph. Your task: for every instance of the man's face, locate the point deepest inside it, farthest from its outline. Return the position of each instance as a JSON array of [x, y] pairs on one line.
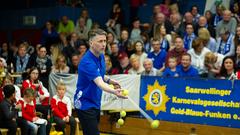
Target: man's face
[[22, 51], [189, 29], [124, 62], [148, 66], [98, 44], [156, 46], [75, 60], [178, 43], [202, 21], [82, 49], [186, 61], [74, 37], [114, 48], [64, 20], [160, 19], [124, 35], [188, 17], [226, 16], [194, 11], [42, 52]]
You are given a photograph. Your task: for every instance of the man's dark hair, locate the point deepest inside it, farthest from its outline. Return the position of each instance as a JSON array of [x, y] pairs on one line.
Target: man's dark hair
[[8, 90]]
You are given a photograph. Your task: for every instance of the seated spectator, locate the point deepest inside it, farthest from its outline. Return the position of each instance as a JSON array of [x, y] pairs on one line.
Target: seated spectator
[[213, 63], [65, 26], [20, 62], [8, 112], [236, 11], [139, 52], [124, 64], [198, 53], [81, 29], [111, 38], [160, 19], [237, 36], [3, 70], [158, 56], [63, 41], [135, 66], [108, 64], [41, 100], [49, 35], [218, 16], [189, 36], [62, 110], [177, 52], [6, 53], [171, 70], [124, 42], [176, 21], [149, 70], [185, 68], [44, 63], [136, 30], [61, 65], [82, 49], [55, 51], [195, 14], [88, 20], [116, 19], [8, 80], [74, 63], [202, 23], [225, 43], [114, 56], [237, 57], [228, 22], [146, 42], [228, 70], [208, 41], [188, 19], [164, 38], [71, 47], [29, 113], [209, 16]]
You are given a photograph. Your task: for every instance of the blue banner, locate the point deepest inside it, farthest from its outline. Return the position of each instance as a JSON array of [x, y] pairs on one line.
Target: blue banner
[[199, 101]]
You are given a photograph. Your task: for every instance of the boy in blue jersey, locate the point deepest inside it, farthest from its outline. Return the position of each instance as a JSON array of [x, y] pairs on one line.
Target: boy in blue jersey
[[91, 81]]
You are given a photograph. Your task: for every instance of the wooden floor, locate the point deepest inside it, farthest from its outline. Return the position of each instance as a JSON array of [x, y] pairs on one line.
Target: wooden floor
[[138, 126]]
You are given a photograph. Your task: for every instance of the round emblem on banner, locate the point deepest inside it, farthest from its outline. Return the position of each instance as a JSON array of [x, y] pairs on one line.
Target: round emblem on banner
[[155, 98]]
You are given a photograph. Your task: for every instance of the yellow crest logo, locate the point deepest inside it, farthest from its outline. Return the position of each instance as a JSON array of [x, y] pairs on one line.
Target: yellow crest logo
[[156, 98]]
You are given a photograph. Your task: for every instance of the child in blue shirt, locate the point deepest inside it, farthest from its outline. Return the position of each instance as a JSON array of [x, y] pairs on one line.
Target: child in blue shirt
[[172, 70]]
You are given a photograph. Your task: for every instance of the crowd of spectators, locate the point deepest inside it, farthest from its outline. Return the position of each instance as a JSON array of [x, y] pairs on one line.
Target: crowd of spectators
[[171, 45]]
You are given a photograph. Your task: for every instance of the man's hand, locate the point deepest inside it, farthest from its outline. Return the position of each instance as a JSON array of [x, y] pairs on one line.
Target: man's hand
[[118, 93], [115, 84], [35, 118]]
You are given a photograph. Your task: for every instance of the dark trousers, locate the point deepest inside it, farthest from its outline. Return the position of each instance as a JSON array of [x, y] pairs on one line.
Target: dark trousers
[[22, 123], [62, 124], [10, 125], [44, 109], [89, 120]]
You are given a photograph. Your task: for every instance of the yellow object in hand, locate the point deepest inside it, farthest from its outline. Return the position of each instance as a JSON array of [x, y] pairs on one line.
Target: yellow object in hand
[[125, 92]]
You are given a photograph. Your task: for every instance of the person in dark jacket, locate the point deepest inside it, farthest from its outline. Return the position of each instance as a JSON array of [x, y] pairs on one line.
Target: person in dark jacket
[[8, 112]]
